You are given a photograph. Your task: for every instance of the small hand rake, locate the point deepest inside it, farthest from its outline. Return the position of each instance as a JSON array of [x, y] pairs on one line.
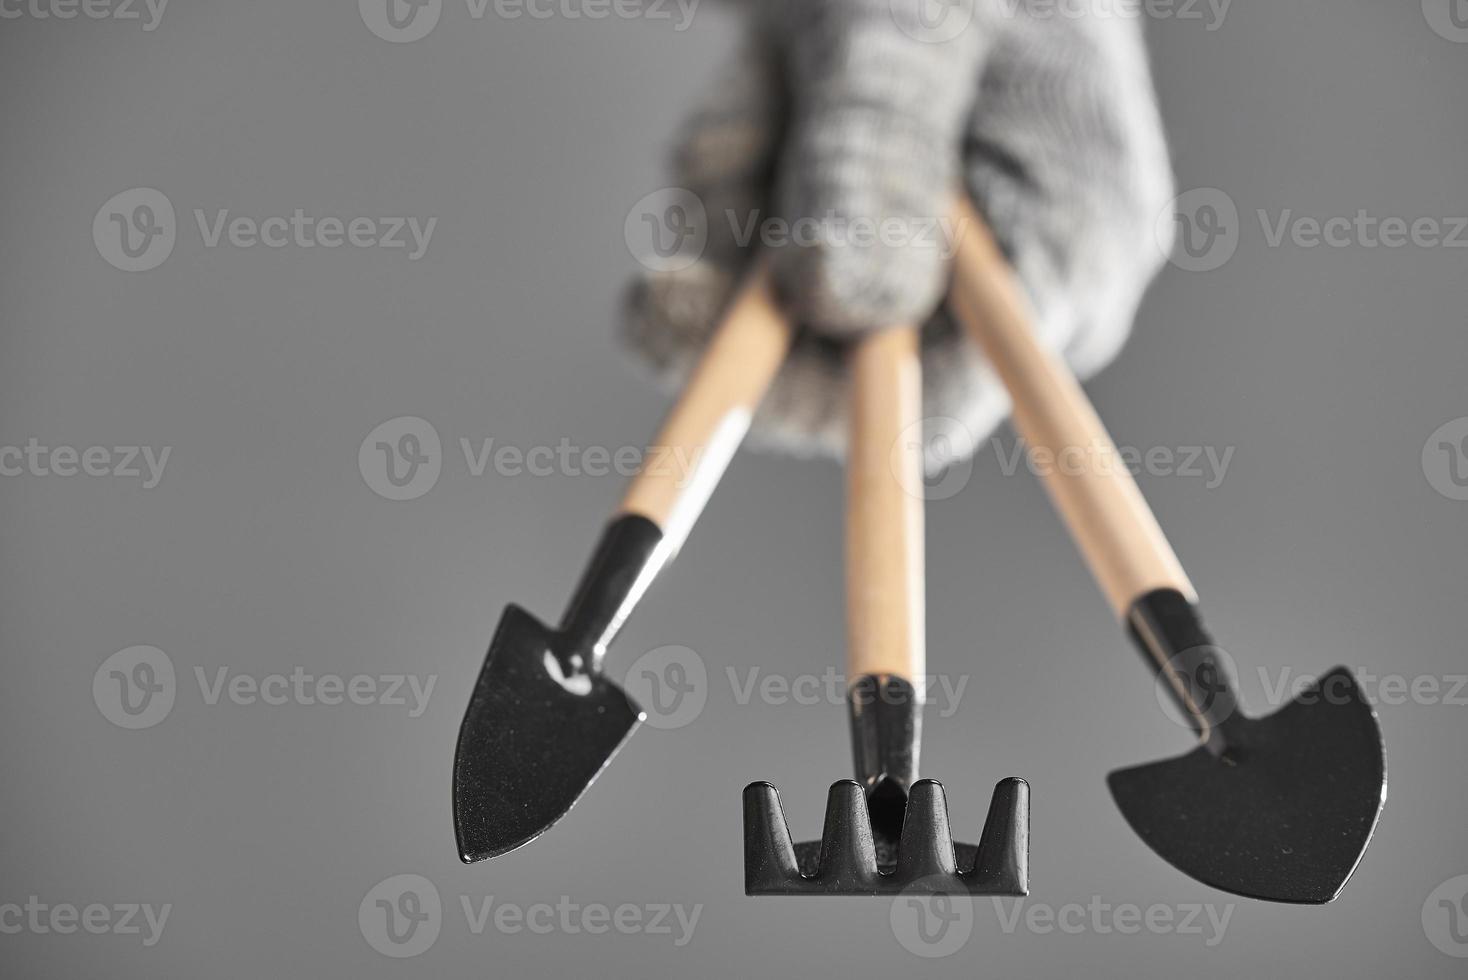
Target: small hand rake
[[884, 832]]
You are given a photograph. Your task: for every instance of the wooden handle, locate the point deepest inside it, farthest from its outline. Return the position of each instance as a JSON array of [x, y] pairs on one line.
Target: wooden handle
[[1095, 494], [884, 510], [706, 425]]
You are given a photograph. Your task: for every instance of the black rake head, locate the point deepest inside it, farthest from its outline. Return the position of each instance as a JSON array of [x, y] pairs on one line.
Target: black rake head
[[846, 860]]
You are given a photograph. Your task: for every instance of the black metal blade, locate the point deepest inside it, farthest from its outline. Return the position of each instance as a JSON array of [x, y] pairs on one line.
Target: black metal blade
[[532, 739], [1284, 814]]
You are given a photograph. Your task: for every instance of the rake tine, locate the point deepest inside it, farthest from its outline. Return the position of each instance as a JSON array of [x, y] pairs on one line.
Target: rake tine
[[1002, 865], [926, 849], [769, 855], [848, 852]]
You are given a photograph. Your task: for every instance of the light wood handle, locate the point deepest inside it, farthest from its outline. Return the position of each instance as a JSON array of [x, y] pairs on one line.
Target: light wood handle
[[705, 427], [1090, 487], [884, 510]]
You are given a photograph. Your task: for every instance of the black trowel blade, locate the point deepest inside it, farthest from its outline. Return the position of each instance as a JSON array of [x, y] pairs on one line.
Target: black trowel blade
[[1284, 814], [532, 741]]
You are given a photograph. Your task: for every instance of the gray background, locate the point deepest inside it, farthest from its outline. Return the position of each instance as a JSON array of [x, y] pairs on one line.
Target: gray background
[[263, 548]]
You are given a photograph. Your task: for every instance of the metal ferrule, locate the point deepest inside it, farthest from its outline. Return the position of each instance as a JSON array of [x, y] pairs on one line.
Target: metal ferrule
[[622, 566], [1168, 629], [886, 729]]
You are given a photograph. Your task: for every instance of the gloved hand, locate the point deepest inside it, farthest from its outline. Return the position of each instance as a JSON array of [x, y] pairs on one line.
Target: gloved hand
[[839, 115]]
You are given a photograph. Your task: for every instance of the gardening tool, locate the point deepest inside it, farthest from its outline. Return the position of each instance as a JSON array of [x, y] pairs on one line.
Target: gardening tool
[[543, 720], [1278, 808], [885, 833]]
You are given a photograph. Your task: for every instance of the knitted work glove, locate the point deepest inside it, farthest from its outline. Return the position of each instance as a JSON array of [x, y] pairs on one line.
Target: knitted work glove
[[833, 144]]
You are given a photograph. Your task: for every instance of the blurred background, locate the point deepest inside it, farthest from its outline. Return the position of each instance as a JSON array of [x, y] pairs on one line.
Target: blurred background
[[151, 758]]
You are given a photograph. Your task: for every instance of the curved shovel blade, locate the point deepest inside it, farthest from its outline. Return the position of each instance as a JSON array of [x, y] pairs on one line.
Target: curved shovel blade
[[1285, 814], [532, 741]]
